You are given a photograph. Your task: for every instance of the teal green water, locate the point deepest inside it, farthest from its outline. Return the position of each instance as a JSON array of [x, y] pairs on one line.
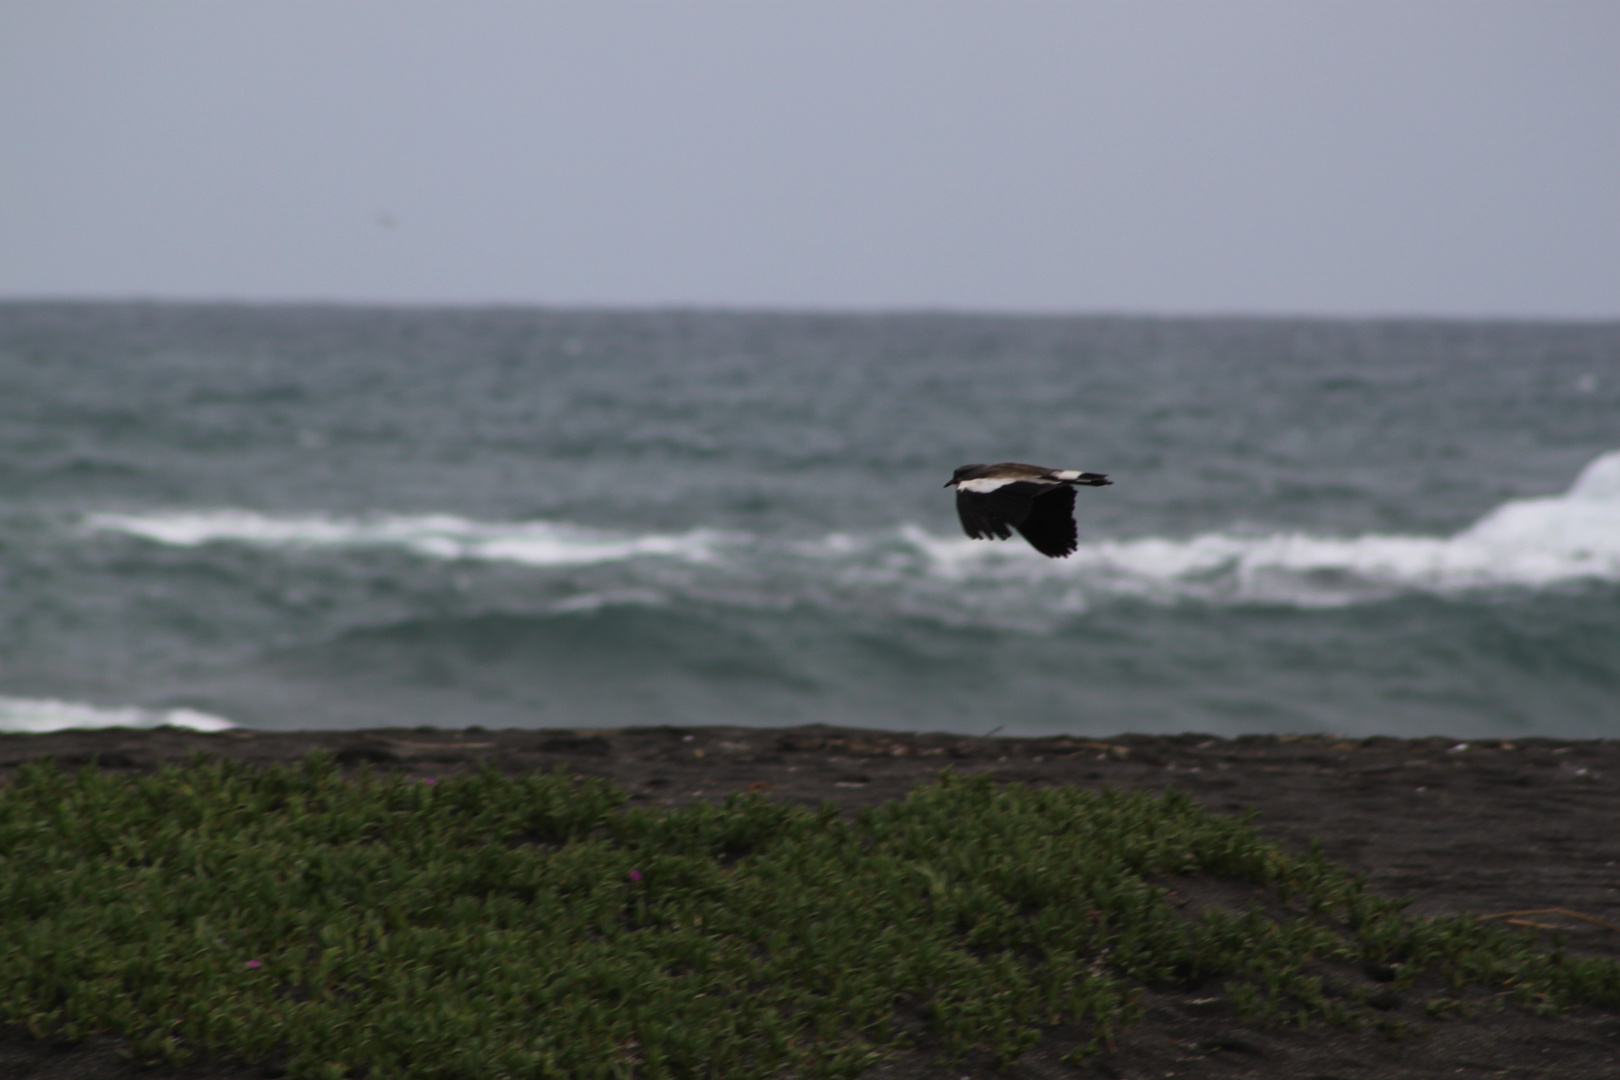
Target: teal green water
[[328, 517]]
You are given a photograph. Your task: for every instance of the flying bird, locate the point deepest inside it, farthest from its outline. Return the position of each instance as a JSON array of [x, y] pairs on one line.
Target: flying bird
[[993, 500]]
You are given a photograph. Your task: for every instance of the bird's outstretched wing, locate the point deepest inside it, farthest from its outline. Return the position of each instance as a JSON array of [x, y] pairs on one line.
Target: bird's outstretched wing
[[994, 514], [1049, 525]]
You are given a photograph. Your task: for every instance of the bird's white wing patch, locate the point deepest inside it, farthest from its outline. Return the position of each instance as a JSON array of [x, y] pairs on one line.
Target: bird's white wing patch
[[1067, 474], [986, 484]]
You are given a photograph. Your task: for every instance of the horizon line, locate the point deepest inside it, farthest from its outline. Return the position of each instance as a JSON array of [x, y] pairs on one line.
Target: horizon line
[[801, 310]]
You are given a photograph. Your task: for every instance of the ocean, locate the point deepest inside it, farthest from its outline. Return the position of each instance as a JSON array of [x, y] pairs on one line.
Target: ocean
[[310, 516]]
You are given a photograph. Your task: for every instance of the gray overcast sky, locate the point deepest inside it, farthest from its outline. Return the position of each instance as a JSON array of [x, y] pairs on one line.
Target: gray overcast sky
[[1356, 157]]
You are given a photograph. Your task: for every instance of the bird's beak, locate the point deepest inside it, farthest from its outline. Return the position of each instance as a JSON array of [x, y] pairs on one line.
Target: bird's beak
[[948, 483]]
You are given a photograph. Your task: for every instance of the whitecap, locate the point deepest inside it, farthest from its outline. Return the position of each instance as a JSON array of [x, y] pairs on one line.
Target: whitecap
[[587, 603], [437, 536], [37, 715]]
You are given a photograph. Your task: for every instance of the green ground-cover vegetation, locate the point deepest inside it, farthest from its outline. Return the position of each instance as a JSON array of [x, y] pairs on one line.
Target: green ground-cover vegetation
[[487, 926]]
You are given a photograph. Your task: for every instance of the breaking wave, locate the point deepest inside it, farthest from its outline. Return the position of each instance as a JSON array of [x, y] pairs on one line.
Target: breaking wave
[[1524, 543], [37, 715], [437, 536]]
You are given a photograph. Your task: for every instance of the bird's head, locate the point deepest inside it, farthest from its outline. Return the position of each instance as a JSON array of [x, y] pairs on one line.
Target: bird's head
[[962, 473]]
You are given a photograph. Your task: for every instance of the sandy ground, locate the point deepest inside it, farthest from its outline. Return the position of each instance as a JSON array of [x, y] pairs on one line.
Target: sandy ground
[[1489, 827]]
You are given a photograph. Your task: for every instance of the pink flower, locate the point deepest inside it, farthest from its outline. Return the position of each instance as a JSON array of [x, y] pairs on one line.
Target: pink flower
[[429, 780], [635, 875], [253, 963]]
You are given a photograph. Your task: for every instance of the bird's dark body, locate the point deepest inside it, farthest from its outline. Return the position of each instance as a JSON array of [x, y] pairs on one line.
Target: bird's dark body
[[993, 500]]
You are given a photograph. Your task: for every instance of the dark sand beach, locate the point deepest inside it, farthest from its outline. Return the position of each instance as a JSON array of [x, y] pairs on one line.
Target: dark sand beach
[[1524, 827]]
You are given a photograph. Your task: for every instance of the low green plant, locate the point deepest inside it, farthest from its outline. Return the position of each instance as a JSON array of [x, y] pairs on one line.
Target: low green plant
[[487, 927]]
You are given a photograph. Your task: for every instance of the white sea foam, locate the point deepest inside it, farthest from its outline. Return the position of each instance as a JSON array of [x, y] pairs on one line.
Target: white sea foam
[[35, 715], [439, 536]]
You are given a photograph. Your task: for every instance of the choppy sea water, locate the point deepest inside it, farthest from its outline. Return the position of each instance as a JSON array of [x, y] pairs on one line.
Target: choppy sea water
[[302, 517]]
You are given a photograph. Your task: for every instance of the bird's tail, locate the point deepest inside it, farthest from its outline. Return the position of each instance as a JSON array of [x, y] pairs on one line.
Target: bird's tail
[[1087, 479]]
